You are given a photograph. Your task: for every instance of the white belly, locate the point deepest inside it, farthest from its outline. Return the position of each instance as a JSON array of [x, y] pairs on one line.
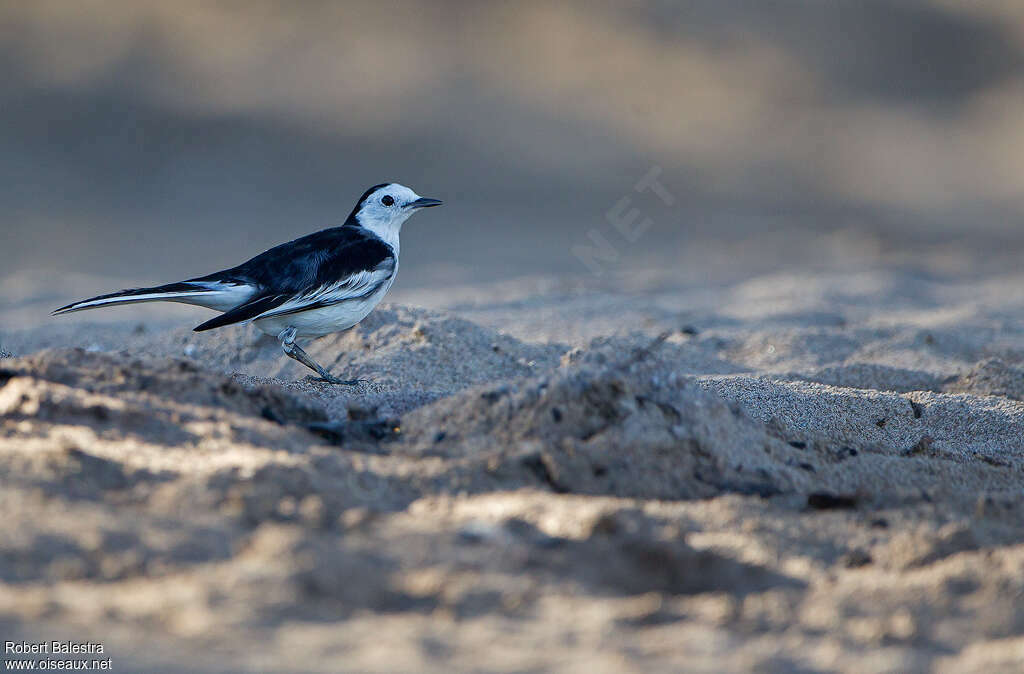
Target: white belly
[[324, 321]]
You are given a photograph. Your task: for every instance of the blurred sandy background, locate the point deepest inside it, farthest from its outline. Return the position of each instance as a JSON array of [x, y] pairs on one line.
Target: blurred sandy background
[[152, 141]]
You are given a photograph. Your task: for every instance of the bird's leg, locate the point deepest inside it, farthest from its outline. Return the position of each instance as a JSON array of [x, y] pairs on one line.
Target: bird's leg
[[293, 350]]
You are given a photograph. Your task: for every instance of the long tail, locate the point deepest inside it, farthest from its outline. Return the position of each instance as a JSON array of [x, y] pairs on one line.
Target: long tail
[[213, 295]]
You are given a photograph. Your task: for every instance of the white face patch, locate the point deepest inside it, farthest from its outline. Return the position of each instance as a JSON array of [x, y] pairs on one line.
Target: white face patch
[[385, 210]]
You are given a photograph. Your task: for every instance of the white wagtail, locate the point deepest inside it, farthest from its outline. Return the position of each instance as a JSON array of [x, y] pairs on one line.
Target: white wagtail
[[315, 285]]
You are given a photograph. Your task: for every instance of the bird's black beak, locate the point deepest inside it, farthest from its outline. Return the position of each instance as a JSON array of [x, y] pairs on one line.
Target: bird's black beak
[[424, 202]]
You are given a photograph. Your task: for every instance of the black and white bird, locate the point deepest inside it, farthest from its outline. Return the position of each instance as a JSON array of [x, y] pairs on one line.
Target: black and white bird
[[315, 285]]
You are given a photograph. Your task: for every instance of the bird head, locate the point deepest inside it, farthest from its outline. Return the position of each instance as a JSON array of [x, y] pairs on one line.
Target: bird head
[[383, 208]]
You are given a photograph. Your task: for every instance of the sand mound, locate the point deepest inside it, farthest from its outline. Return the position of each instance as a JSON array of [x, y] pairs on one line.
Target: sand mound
[[872, 376], [633, 427], [991, 377], [625, 428], [957, 427]]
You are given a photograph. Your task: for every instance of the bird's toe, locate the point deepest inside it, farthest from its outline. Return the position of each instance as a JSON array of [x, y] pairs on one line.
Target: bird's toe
[[331, 379]]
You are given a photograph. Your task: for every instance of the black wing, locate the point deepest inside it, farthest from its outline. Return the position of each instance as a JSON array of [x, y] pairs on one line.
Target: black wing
[[316, 270], [312, 260], [243, 312]]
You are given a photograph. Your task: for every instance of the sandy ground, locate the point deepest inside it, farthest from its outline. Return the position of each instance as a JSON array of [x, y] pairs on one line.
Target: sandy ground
[[795, 471]]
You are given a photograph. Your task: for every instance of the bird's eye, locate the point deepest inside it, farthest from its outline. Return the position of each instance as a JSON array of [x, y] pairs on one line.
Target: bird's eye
[[388, 200]]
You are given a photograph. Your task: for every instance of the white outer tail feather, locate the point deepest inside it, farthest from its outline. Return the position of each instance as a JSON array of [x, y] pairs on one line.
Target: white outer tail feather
[[127, 299], [219, 296]]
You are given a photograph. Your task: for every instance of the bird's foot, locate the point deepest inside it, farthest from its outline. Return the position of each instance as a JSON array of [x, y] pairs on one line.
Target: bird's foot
[[293, 350], [331, 379]]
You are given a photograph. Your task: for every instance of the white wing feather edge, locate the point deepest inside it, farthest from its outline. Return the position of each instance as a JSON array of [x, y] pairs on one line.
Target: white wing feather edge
[[356, 286]]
